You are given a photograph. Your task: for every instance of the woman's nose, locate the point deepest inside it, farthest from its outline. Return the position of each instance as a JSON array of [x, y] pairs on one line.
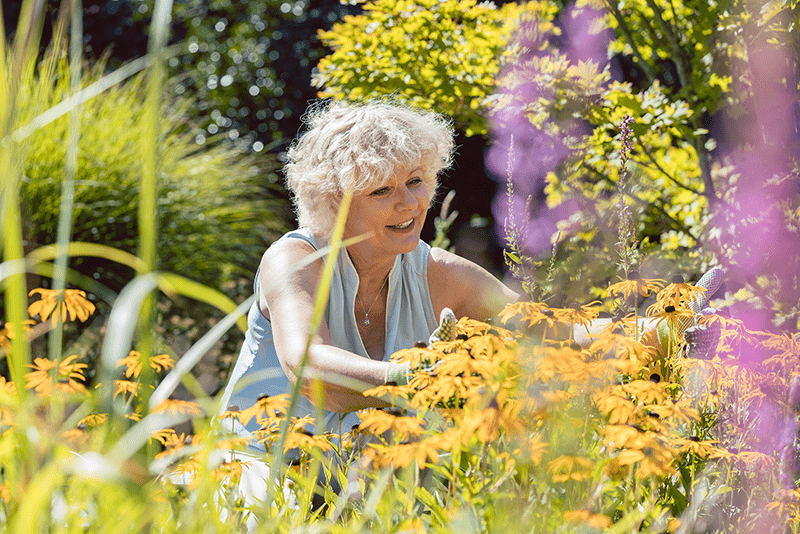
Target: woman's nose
[[405, 199]]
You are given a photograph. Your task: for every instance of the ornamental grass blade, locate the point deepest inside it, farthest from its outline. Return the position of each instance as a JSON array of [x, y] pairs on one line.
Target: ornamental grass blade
[[94, 250], [18, 66], [149, 188], [122, 323], [65, 213], [320, 303]]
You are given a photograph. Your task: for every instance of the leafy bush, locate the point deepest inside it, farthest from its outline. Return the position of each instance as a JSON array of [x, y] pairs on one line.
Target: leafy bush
[[440, 55], [694, 77], [217, 209]]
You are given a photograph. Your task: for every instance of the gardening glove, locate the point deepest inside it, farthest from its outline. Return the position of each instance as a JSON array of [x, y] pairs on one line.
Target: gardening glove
[[399, 373], [712, 281], [701, 339], [447, 328]]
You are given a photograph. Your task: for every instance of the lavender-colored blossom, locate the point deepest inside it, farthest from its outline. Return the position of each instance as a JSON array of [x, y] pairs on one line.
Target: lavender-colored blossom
[[536, 151]]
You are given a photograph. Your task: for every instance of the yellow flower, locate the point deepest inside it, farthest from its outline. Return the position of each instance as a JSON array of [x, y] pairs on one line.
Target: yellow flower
[[165, 435], [484, 424], [567, 467], [133, 363], [75, 305], [787, 502], [675, 317], [471, 327], [229, 472], [391, 390], [694, 445], [379, 421], [634, 286], [679, 294], [628, 436], [645, 391], [63, 377], [621, 346], [578, 314], [93, 420], [535, 448], [594, 520], [678, 411], [306, 441], [531, 313], [7, 334], [162, 362], [562, 364], [265, 408], [189, 470], [653, 459], [172, 441], [179, 407], [126, 386], [620, 410], [401, 455], [8, 386], [397, 456]]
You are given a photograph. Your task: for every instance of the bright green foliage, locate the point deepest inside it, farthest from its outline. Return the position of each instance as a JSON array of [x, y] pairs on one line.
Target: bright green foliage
[[439, 55], [691, 63], [578, 108], [215, 216]]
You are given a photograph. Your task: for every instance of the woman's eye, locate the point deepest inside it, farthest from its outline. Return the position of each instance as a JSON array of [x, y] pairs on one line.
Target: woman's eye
[[381, 191], [415, 181]]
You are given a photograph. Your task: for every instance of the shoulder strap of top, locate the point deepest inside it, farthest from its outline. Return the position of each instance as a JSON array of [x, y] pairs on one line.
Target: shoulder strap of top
[[300, 233]]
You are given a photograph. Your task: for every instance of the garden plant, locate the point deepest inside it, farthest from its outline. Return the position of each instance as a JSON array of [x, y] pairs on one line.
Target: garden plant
[[507, 425]]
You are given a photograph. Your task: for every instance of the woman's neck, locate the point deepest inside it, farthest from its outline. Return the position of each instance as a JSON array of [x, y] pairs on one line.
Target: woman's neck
[[372, 270]]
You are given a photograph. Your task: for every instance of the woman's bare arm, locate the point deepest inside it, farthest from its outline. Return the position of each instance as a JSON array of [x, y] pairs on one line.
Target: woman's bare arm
[[290, 305], [471, 291], [465, 287]]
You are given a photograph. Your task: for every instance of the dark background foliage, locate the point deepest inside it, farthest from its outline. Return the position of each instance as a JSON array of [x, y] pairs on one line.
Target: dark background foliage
[[249, 66]]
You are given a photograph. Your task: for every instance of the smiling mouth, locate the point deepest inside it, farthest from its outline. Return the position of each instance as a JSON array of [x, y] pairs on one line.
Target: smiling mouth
[[403, 226]]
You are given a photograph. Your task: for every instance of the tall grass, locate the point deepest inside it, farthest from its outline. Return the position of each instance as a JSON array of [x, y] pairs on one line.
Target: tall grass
[[39, 469], [511, 432]]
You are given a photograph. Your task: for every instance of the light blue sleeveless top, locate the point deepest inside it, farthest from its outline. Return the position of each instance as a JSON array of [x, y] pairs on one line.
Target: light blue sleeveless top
[[410, 318]]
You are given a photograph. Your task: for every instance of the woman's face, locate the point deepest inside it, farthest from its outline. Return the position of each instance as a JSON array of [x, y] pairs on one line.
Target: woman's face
[[393, 213]]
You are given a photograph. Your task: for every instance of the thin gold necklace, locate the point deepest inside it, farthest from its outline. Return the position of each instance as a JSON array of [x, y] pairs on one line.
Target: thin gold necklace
[[365, 322]]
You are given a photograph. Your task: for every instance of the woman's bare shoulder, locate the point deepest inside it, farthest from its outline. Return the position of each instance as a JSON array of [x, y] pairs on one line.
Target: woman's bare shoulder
[[286, 252], [287, 272]]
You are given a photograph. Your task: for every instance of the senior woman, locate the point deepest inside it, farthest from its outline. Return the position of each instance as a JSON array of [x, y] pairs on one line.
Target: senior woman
[[388, 289]]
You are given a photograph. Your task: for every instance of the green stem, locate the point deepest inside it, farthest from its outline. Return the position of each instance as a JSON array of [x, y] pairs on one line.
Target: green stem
[[64, 232]]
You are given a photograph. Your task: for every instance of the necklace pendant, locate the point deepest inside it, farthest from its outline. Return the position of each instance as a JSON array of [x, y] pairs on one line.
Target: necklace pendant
[[365, 322]]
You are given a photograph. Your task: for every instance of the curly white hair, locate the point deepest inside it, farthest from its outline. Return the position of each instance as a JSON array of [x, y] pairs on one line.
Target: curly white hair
[[359, 147]]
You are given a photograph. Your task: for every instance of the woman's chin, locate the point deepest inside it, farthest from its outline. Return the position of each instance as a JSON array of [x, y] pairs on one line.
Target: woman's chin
[[405, 239]]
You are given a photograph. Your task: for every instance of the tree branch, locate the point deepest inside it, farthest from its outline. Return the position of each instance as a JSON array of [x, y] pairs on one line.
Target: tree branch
[[676, 224], [670, 178], [623, 26], [678, 53]]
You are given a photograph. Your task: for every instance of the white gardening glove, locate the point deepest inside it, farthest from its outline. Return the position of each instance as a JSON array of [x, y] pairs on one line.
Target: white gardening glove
[[400, 373]]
